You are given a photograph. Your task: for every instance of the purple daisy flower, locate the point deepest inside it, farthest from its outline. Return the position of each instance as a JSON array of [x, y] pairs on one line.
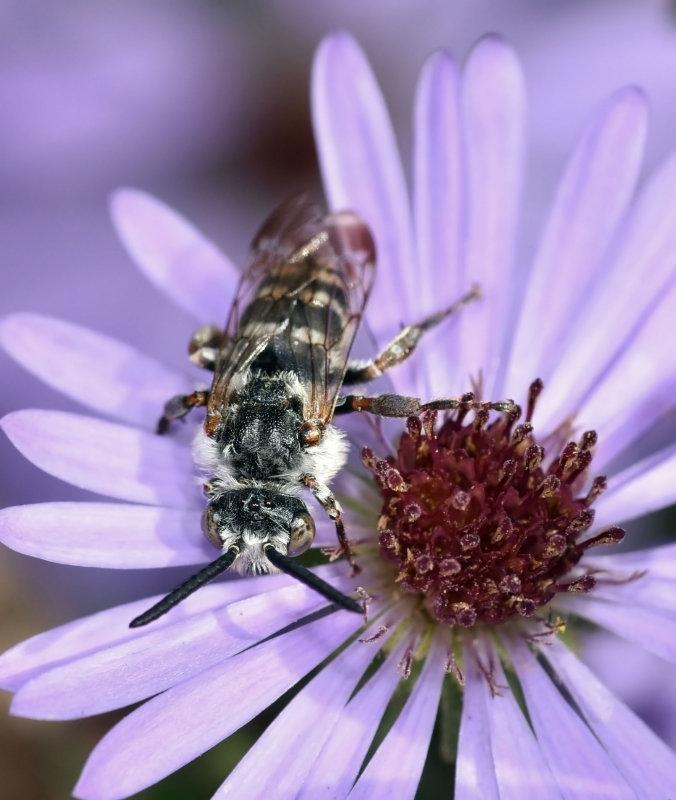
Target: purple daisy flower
[[478, 538]]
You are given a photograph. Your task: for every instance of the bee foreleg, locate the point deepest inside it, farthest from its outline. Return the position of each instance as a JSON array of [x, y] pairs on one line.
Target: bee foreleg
[[403, 344], [397, 405], [328, 502], [179, 406], [205, 345]]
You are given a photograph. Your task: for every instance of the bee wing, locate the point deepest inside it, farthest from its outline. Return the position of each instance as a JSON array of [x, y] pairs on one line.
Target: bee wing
[[293, 223], [305, 287], [324, 322]]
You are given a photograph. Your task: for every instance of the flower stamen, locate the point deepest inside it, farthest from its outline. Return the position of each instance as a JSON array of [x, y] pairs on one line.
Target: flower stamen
[[477, 519]]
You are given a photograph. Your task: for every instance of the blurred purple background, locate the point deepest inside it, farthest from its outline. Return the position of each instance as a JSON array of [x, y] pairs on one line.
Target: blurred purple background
[[205, 104]]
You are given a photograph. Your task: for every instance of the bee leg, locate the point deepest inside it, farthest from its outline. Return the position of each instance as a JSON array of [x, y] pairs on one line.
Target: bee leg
[[404, 343], [205, 345], [179, 406], [397, 405], [328, 502]]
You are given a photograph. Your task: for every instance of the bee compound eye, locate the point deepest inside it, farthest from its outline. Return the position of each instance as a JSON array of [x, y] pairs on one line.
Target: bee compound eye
[[302, 534], [210, 520]]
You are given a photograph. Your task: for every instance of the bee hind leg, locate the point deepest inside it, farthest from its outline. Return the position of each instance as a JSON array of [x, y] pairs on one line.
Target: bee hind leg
[[179, 406], [404, 343]]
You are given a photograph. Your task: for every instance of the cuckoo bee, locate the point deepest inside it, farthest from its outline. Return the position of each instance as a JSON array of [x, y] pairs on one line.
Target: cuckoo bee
[[279, 367]]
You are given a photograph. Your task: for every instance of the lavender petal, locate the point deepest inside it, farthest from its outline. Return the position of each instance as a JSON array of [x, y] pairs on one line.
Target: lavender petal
[[591, 200], [396, 766], [493, 106], [174, 256], [638, 389], [150, 742], [624, 298], [646, 762], [155, 660], [113, 460], [654, 630], [438, 199], [475, 777], [648, 592], [580, 766], [659, 562], [297, 735], [646, 486], [646, 579], [103, 374], [111, 627], [335, 770], [361, 170], [109, 535], [520, 768]]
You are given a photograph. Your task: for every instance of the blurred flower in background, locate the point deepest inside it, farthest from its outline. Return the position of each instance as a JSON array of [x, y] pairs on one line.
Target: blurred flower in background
[[206, 104]]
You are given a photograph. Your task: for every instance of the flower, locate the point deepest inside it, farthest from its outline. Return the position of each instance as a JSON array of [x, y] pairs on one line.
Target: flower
[[587, 318]]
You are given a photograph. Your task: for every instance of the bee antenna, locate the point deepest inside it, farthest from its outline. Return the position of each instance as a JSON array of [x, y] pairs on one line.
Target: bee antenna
[[293, 568], [188, 587]]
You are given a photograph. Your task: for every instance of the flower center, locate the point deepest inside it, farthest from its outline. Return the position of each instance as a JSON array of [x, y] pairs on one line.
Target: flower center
[[480, 521]]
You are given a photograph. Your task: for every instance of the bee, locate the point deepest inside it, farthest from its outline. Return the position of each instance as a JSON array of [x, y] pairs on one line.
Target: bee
[[279, 367]]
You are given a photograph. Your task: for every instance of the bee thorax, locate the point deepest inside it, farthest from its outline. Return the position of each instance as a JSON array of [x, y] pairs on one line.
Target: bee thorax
[[260, 431]]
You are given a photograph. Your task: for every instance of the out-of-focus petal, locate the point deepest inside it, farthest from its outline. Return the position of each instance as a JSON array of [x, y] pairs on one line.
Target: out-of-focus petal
[[113, 460], [362, 171], [620, 302], [493, 106], [438, 198], [297, 735], [110, 627], [591, 200], [639, 388], [174, 255], [646, 486], [642, 757], [580, 766], [155, 660], [475, 772], [100, 372], [336, 769], [520, 768], [151, 742], [110, 535], [396, 766], [652, 629]]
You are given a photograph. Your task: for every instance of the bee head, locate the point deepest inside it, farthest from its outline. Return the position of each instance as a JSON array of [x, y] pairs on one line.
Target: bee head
[[257, 530], [254, 517]]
